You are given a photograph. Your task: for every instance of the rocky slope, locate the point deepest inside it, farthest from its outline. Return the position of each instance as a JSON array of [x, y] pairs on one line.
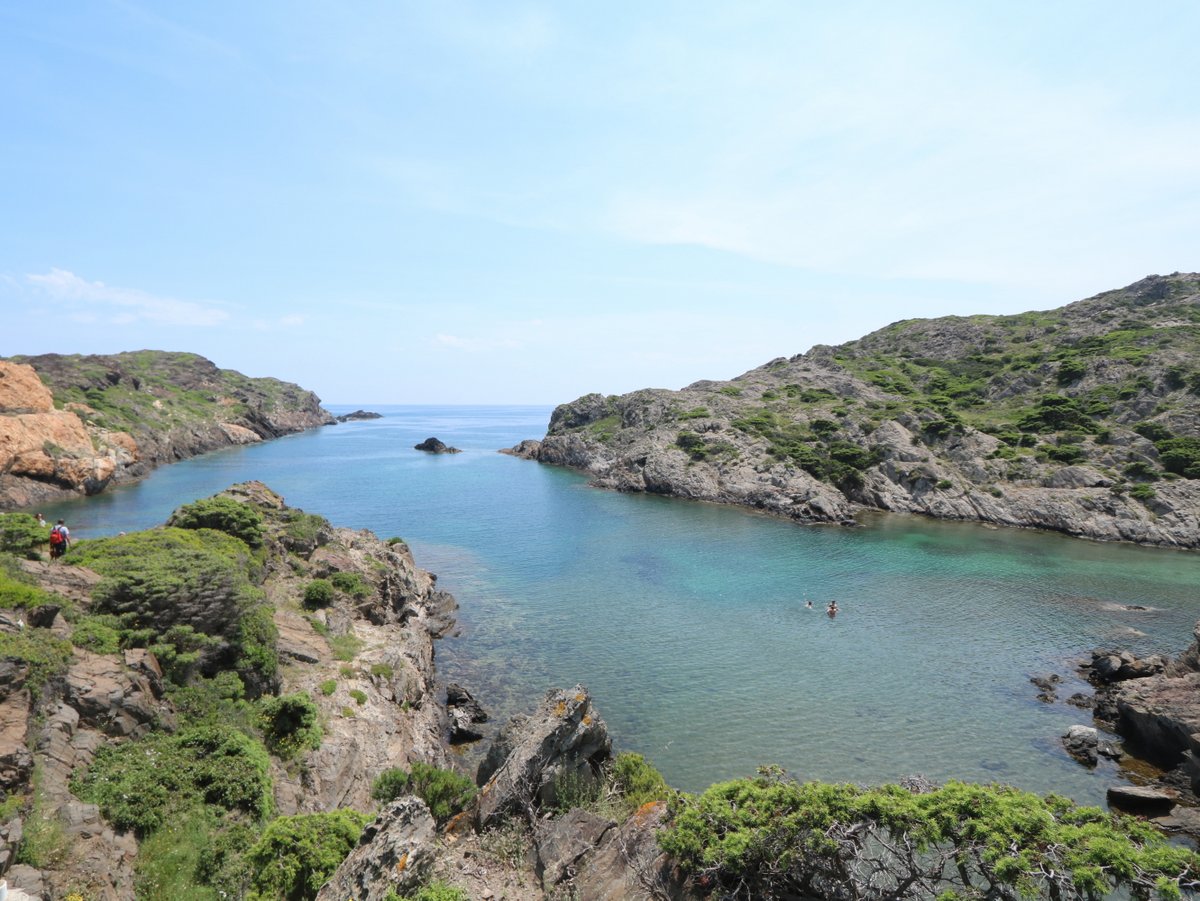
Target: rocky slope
[[75, 424], [1084, 420], [364, 660]]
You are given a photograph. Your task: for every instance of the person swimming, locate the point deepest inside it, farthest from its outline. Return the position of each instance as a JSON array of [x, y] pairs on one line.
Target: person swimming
[[832, 609], [808, 605]]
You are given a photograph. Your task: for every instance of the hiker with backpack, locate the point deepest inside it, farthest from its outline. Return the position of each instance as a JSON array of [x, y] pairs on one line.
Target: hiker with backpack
[[60, 540]]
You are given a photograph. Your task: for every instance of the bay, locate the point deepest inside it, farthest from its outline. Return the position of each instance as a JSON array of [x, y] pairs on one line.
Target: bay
[[687, 621]]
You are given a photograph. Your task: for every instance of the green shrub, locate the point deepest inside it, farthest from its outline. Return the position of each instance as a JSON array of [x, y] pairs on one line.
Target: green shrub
[[45, 655], [1070, 371], [1063, 453], [141, 784], [328, 687], [944, 485], [1141, 471], [291, 724], [168, 860], [318, 593], [434, 891], [1142, 492], [445, 792], [1180, 456], [202, 579], [351, 583], [390, 785], [224, 514], [296, 855], [360, 696], [770, 837], [15, 593], [381, 669], [20, 532], [98, 633], [303, 530], [1153, 431], [638, 781], [345, 647]]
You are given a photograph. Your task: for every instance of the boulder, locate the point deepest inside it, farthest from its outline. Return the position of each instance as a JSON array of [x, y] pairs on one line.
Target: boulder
[[562, 841], [1082, 743], [395, 852], [628, 864], [465, 714], [358, 415], [563, 739], [1143, 799]]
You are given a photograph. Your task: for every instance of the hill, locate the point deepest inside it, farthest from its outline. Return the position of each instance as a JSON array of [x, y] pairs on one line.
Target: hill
[[72, 424], [1083, 419]]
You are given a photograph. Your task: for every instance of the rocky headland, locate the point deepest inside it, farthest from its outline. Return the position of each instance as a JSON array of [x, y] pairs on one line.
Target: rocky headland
[[72, 424], [1083, 420]]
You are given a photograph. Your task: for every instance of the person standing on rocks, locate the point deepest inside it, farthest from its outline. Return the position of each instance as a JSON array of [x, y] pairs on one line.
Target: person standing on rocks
[[60, 540]]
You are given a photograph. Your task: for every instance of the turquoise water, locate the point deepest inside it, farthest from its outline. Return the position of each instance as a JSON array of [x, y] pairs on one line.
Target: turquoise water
[[687, 620]]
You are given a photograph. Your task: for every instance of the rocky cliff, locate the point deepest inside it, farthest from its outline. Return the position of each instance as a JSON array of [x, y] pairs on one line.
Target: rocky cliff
[[1084, 420], [75, 424]]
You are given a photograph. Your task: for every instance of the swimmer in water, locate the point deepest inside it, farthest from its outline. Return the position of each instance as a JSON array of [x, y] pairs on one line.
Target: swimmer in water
[[832, 609]]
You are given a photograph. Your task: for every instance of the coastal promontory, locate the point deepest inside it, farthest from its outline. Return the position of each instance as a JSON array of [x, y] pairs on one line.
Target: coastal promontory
[[1083, 420], [72, 424]]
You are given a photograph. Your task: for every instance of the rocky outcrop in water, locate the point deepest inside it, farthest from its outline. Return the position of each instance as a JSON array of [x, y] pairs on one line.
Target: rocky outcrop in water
[[436, 446], [1083, 420], [73, 425], [358, 415]]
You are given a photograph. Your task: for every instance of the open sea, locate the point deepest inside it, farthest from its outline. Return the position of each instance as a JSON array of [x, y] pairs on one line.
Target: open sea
[[687, 621]]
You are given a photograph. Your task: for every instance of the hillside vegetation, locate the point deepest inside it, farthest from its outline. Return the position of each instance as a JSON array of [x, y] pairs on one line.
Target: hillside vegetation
[[75, 424], [1082, 419]]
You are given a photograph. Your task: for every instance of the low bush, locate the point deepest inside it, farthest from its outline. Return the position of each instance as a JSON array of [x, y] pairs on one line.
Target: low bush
[[141, 784], [224, 514], [351, 583], [296, 855], [291, 724], [771, 837], [328, 687], [318, 593], [434, 891], [20, 532], [44, 654], [638, 781], [98, 633], [444, 792]]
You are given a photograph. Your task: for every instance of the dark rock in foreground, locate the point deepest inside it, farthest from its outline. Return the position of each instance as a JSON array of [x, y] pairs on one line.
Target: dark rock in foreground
[[436, 446]]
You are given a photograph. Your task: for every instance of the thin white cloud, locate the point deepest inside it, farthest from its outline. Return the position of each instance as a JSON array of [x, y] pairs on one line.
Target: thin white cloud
[[125, 306]]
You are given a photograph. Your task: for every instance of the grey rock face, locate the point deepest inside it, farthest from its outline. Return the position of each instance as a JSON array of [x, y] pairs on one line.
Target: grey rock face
[[563, 739], [396, 852]]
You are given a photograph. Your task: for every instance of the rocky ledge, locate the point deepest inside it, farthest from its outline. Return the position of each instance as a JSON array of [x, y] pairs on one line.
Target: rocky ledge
[[1083, 420], [73, 425], [436, 446]]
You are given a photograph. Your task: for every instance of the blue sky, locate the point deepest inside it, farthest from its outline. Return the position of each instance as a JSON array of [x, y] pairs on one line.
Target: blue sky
[[499, 202]]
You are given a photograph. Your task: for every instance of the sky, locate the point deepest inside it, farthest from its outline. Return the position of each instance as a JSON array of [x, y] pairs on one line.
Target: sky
[[501, 202]]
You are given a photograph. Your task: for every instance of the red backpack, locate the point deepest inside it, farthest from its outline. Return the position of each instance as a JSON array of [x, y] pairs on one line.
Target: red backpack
[[57, 537]]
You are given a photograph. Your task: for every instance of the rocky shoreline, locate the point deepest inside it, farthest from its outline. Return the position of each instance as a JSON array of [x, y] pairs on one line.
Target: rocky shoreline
[[73, 425], [1083, 420]]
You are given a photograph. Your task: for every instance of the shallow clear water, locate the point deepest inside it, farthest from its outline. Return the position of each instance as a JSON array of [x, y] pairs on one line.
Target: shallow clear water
[[687, 620]]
